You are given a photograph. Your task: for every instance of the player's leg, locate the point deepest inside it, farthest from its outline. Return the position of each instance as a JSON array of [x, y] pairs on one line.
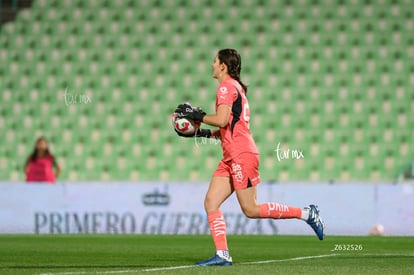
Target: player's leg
[[245, 175], [249, 206], [219, 190]]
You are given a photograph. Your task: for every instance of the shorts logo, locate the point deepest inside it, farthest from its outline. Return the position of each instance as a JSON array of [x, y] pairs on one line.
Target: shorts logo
[[237, 170]]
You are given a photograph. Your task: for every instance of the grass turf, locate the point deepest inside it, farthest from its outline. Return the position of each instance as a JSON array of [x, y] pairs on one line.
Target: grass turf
[[133, 254]]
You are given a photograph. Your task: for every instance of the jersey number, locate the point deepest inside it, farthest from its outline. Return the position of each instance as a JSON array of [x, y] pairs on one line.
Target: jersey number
[[246, 114]]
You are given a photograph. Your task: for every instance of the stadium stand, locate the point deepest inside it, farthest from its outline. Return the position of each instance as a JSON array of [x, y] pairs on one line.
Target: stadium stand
[[333, 79]]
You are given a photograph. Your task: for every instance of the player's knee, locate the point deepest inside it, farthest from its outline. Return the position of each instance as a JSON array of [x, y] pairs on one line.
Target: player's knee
[[210, 204], [206, 205], [250, 212]]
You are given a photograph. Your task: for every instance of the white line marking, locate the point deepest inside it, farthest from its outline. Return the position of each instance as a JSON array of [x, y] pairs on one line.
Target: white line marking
[[65, 273], [168, 268], [186, 266], [246, 263]]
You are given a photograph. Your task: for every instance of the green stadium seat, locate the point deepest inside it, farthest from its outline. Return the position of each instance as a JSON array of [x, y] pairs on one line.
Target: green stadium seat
[[328, 77]]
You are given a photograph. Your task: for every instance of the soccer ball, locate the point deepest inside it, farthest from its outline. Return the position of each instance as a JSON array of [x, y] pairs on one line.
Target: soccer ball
[[377, 230], [184, 126]]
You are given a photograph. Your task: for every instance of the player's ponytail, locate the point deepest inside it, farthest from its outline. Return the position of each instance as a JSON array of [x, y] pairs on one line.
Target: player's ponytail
[[232, 59]]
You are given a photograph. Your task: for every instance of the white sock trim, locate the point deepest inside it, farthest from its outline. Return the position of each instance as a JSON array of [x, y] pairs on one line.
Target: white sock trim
[[224, 254], [305, 214]]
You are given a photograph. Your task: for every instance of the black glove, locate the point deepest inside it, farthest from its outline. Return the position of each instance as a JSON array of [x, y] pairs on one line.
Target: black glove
[[183, 110], [198, 133], [198, 114], [187, 111]]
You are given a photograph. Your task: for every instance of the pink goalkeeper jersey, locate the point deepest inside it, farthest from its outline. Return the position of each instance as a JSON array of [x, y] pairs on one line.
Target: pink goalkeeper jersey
[[235, 136], [41, 170]]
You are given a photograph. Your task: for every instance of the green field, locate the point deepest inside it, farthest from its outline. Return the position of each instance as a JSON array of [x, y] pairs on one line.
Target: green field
[[138, 254]]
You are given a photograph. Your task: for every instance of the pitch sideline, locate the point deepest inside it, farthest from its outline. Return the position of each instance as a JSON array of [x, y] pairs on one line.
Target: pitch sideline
[[247, 263], [185, 266], [193, 266]]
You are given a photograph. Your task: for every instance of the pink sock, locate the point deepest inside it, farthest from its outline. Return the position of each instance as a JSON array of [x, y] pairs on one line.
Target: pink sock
[[218, 229], [279, 211]]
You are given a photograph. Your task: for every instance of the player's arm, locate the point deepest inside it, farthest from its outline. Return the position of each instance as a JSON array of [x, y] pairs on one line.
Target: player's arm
[[220, 118]]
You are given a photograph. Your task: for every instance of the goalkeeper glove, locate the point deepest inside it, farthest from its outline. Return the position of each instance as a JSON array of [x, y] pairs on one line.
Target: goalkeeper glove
[[198, 133], [187, 111]]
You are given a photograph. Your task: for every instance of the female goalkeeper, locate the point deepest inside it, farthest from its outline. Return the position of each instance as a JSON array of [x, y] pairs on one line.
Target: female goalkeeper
[[238, 170]]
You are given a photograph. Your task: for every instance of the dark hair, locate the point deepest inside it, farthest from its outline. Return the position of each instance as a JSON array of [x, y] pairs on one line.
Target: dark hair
[[232, 59], [33, 155]]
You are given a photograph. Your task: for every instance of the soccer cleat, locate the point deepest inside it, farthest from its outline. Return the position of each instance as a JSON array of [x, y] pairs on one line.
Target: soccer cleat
[[216, 260], [315, 221]]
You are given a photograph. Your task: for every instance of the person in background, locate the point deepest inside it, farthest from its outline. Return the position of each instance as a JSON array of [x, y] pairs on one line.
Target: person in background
[[41, 165]]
